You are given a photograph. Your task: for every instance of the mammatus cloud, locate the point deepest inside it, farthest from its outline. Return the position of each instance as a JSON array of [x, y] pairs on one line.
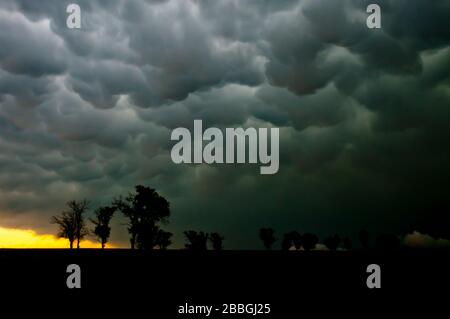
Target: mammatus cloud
[[363, 114]]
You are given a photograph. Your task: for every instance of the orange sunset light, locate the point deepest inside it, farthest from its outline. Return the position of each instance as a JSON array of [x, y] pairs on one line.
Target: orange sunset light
[[20, 238]]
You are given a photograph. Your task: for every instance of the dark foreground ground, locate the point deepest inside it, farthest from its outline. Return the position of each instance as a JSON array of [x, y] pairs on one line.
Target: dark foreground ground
[[132, 282]]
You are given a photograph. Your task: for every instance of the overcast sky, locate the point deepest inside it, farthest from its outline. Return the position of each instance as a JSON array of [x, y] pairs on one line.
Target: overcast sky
[[364, 115]]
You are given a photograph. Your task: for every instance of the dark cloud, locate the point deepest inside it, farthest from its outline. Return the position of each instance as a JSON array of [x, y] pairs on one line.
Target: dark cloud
[[363, 114], [29, 48]]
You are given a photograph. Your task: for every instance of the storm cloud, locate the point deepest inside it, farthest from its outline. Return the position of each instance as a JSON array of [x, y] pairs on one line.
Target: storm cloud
[[364, 115]]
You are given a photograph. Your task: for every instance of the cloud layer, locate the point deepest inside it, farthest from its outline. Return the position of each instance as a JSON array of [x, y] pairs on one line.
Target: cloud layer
[[363, 114]]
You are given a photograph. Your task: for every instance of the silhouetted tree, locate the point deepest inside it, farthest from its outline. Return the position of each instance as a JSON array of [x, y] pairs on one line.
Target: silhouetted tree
[[296, 239], [286, 243], [67, 226], [332, 242], [145, 210], [71, 223], [163, 239], [147, 234], [388, 242], [216, 240], [125, 206], [102, 219], [364, 239], [347, 243], [267, 235], [79, 209], [196, 240], [309, 241]]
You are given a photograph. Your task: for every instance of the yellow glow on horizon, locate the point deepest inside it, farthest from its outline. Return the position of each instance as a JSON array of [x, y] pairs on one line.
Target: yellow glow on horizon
[[20, 238]]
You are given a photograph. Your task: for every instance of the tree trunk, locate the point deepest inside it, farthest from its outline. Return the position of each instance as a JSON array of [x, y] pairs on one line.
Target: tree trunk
[[78, 243], [103, 244], [132, 241], [71, 244]]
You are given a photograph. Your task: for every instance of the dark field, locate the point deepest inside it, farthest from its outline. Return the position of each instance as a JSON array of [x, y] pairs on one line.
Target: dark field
[[162, 280]]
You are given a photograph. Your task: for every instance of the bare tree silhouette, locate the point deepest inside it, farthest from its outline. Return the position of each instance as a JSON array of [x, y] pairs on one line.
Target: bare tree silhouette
[[102, 219], [145, 210], [72, 223], [196, 240], [67, 227], [267, 235], [216, 240], [79, 209], [309, 241], [332, 242], [287, 242]]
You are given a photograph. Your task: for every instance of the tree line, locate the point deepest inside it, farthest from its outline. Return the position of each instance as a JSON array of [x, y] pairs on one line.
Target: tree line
[[309, 241], [147, 212]]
